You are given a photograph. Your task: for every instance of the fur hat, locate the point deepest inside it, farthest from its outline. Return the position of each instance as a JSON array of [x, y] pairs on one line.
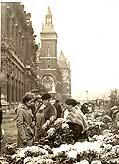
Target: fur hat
[[71, 102], [46, 96], [27, 97]]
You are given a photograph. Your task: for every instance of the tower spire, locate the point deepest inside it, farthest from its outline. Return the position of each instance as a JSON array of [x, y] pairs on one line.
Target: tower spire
[[48, 18], [48, 27], [49, 11]]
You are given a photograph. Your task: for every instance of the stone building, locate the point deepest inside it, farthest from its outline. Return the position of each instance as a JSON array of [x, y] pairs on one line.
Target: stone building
[[18, 54], [64, 66], [53, 73]]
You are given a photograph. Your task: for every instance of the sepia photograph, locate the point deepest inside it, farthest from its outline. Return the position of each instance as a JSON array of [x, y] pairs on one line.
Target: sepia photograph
[[59, 82]]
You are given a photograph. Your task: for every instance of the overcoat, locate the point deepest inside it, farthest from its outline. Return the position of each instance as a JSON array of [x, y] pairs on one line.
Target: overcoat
[[40, 120], [50, 111], [24, 126]]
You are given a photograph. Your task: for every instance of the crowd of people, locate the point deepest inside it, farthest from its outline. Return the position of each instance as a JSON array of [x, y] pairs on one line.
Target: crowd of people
[[35, 113]]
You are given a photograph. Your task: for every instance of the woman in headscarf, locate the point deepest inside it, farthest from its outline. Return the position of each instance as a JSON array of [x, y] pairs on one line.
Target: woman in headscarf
[[76, 120]]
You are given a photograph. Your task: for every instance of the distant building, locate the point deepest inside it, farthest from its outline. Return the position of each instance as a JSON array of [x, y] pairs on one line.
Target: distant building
[[18, 54], [54, 74], [64, 67]]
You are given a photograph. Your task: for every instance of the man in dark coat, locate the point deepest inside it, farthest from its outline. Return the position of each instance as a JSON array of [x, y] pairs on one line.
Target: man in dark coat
[[46, 114], [58, 108], [49, 109]]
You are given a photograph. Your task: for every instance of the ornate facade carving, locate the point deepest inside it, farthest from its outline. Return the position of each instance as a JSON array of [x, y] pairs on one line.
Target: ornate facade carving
[[17, 47]]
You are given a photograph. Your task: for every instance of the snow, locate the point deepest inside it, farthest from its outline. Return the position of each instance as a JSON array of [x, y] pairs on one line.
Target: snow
[[96, 162], [86, 146], [84, 162], [72, 154]]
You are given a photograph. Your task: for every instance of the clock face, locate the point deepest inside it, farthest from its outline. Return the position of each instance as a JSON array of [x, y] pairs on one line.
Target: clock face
[[48, 86], [48, 83]]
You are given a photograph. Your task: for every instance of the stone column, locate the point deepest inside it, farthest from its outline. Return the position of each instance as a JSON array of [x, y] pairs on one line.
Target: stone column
[[17, 90], [20, 44], [23, 48]]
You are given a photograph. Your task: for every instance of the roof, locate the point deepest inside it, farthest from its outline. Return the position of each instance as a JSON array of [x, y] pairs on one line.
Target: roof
[[49, 11], [62, 61]]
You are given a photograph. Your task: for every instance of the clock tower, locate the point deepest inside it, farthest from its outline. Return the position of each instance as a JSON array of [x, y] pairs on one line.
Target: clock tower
[[48, 55], [53, 72]]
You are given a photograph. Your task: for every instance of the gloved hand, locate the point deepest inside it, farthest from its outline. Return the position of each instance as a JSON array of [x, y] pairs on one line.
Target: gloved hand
[[25, 142], [46, 124], [52, 119]]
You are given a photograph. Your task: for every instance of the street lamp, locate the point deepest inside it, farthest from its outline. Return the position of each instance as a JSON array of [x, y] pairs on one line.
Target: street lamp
[[87, 96]]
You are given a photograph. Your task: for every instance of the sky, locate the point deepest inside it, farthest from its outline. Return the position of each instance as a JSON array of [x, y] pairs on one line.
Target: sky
[[88, 35]]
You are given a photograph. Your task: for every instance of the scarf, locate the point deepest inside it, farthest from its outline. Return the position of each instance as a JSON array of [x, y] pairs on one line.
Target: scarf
[[77, 117]]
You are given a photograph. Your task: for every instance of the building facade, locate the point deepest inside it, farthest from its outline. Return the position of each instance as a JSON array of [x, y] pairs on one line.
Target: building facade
[[64, 66], [18, 54], [51, 74]]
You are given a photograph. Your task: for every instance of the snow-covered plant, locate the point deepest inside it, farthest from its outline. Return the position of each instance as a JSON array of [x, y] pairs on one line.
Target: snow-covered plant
[[50, 132], [10, 148], [65, 126], [84, 162], [96, 162]]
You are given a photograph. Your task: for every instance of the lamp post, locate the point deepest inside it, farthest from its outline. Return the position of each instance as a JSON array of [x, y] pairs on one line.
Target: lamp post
[[87, 96]]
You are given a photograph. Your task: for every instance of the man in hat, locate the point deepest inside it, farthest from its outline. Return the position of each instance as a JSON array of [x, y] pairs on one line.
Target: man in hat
[[49, 109], [46, 115], [58, 108]]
